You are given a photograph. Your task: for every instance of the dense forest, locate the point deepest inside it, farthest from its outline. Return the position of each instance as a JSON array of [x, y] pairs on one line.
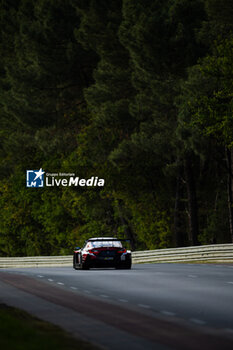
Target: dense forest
[[137, 92]]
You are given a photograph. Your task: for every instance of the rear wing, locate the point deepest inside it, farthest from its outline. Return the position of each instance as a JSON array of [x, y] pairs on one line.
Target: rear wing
[[107, 239]]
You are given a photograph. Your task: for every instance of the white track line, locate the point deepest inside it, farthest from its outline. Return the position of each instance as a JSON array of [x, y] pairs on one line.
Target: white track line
[[62, 284], [195, 320], [123, 300], [167, 313], [144, 306]]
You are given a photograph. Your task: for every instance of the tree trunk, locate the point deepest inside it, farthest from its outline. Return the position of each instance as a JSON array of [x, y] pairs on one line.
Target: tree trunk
[[192, 202], [128, 231], [178, 232], [229, 155]]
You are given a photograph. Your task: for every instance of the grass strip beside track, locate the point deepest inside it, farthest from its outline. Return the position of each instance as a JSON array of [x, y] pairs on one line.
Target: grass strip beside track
[[21, 331]]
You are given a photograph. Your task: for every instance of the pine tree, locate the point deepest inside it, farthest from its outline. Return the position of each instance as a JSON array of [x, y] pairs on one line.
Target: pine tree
[[160, 38], [207, 93]]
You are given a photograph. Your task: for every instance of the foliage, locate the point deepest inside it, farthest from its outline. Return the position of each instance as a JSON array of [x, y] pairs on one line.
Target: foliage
[[136, 92]]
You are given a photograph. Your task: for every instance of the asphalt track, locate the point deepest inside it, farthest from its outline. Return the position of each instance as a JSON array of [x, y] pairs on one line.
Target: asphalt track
[[152, 306]]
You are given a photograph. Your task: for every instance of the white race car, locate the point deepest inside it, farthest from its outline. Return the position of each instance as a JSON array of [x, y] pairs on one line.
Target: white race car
[[102, 252]]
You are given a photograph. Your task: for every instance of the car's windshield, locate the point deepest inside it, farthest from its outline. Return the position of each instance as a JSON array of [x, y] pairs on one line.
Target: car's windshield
[[100, 244]]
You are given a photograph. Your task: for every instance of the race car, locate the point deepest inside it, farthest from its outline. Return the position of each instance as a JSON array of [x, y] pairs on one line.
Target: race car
[[102, 252]]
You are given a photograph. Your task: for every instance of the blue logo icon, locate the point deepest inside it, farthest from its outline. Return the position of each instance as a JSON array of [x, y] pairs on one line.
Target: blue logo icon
[[35, 178]]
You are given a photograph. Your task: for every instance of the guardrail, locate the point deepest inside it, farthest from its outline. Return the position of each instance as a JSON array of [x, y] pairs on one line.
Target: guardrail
[[218, 253], [36, 261], [206, 253]]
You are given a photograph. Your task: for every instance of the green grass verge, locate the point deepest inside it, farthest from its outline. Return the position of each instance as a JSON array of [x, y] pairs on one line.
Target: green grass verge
[[21, 331]]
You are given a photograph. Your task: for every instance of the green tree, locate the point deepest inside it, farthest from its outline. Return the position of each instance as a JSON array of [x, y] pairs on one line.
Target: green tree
[[44, 71], [161, 40], [210, 98]]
